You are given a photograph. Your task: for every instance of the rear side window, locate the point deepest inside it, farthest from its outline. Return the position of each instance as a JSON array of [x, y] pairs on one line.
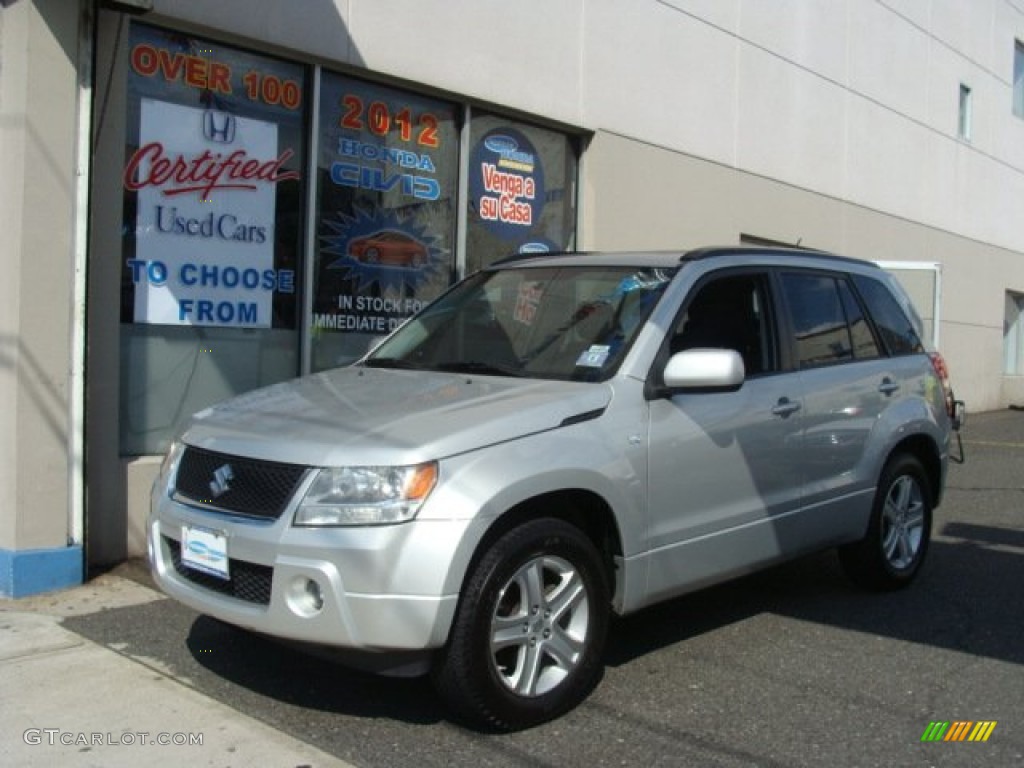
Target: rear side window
[[819, 321], [895, 328], [864, 345]]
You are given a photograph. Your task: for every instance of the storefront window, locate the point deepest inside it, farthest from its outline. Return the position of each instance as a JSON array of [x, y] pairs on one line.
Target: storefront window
[[386, 203], [522, 191], [213, 185], [214, 179]]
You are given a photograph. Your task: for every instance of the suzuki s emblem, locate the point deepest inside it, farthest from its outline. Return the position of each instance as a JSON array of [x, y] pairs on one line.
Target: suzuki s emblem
[[221, 480], [219, 127]]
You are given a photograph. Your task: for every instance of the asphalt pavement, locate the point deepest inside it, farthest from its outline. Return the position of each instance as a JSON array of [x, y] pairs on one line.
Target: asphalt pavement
[[789, 667]]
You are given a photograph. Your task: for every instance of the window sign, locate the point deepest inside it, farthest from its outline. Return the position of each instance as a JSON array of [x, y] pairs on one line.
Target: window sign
[[206, 183], [213, 179], [213, 137], [386, 200], [522, 182], [506, 183]]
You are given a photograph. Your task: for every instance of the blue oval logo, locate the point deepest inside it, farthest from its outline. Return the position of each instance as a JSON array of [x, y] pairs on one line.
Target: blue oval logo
[[501, 144], [199, 549], [534, 248]]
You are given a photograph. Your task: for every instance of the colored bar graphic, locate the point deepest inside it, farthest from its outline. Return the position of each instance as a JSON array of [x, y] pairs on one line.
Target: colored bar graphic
[[982, 730], [958, 730]]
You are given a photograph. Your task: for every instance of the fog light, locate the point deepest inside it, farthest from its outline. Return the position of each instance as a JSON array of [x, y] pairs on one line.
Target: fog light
[[305, 596], [314, 595]]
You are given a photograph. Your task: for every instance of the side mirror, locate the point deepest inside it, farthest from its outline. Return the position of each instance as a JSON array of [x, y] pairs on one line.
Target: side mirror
[[702, 368]]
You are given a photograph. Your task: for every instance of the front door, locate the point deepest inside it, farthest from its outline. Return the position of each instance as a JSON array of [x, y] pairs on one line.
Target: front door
[[725, 467]]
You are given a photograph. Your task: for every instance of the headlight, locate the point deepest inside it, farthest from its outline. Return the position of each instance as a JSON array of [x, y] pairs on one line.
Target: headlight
[[366, 495]]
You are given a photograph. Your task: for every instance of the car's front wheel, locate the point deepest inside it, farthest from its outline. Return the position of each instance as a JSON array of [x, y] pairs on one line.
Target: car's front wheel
[[891, 553], [528, 636]]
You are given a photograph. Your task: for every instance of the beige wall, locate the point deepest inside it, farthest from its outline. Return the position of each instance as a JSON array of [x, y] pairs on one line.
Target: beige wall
[[636, 195], [38, 100]]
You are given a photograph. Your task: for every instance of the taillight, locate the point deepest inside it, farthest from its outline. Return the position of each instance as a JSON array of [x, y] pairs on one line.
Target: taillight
[[956, 409], [942, 372]]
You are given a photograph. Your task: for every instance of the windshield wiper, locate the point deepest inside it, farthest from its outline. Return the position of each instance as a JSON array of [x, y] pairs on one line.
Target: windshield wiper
[[391, 362], [478, 366]]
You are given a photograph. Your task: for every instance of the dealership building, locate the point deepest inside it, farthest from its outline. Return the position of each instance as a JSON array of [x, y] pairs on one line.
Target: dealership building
[[201, 198]]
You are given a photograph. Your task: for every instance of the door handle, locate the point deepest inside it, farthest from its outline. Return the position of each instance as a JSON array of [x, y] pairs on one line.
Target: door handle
[[888, 386], [785, 407]]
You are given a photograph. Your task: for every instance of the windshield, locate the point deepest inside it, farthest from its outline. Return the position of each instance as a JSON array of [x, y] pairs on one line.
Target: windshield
[[571, 323]]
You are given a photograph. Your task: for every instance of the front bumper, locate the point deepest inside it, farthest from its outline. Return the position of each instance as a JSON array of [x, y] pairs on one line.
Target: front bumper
[[379, 589]]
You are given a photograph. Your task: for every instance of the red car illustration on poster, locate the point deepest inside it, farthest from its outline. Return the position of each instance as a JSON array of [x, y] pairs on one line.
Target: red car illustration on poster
[[389, 247]]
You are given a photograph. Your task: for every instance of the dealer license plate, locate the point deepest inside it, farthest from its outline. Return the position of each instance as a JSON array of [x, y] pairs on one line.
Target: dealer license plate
[[205, 550]]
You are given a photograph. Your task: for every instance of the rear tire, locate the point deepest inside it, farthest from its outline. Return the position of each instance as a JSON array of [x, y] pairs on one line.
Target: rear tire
[[891, 553], [527, 641]]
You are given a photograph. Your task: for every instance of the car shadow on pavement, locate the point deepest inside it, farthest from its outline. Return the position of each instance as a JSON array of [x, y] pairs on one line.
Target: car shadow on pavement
[[297, 677], [253, 673], [965, 599]]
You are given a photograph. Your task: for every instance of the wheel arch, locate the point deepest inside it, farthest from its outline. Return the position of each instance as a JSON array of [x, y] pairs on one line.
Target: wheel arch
[[924, 449], [579, 507]]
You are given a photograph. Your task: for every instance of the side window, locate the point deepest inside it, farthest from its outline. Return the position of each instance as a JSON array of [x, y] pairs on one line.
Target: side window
[[895, 328], [819, 321], [864, 345], [730, 313]]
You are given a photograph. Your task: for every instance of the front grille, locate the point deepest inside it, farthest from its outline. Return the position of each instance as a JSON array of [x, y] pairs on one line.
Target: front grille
[[249, 581], [247, 486]]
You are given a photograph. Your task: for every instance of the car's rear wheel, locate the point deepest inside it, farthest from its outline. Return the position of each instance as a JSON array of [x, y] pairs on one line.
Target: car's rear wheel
[[891, 553], [528, 636]]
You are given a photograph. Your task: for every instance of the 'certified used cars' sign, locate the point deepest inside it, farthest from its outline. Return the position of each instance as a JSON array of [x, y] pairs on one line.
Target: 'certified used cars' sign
[[206, 183]]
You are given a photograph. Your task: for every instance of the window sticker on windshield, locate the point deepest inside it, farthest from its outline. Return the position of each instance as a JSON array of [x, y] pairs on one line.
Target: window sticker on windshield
[[594, 357], [530, 294], [640, 280]]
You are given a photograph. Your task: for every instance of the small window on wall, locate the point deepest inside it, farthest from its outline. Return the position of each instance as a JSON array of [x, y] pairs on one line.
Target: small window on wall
[[213, 189], [522, 191], [1018, 78], [1013, 335], [386, 213], [965, 113]]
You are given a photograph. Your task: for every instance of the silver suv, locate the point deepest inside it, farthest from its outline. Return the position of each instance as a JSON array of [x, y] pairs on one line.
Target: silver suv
[[555, 439]]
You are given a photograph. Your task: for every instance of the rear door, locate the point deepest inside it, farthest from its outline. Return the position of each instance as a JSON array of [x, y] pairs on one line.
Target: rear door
[[848, 382]]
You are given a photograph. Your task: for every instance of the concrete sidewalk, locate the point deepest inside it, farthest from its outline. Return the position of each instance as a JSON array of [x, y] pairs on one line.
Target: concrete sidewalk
[[67, 701]]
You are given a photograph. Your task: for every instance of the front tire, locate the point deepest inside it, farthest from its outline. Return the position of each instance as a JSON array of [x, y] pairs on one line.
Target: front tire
[[891, 553], [528, 636]]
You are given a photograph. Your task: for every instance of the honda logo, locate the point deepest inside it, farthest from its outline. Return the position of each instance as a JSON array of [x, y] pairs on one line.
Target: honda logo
[[221, 482], [219, 127]]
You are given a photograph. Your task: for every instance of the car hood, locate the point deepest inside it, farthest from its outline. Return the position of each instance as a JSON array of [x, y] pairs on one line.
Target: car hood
[[367, 416]]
